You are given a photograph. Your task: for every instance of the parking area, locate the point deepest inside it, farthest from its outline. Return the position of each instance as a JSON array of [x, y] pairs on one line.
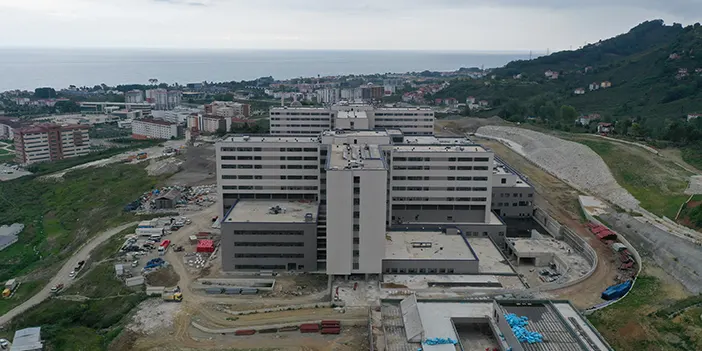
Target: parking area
[[8, 172]]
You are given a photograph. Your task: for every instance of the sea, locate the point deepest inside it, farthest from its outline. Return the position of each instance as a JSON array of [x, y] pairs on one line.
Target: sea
[[28, 69]]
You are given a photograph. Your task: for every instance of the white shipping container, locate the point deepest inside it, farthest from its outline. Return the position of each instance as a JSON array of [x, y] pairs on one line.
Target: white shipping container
[[149, 231]]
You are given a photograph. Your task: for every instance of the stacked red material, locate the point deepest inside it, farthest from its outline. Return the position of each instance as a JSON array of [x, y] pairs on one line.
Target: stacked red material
[[205, 246], [336, 330], [309, 328], [245, 332]]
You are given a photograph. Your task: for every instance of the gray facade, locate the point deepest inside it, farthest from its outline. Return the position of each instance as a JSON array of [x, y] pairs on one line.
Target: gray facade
[[269, 246], [513, 202], [437, 214], [439, 266]]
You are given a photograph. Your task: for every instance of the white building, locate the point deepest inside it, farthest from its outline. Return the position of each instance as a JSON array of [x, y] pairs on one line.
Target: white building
[[329, 95], [164, 99], [134, 97], [364, 182], [153, 129], [306, 120]]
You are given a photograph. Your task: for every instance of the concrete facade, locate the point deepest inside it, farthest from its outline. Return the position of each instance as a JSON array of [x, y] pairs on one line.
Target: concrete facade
[[51, 142], [153, 129]]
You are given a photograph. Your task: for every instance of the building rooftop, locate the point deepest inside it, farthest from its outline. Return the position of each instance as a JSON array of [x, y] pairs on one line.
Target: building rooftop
[[426, 245], [438, 148], [352, 114], [536, 246], [154, 121], [355, 157], [491, 260], [352, 133], [271, 139], [27, 339], [264, 211]]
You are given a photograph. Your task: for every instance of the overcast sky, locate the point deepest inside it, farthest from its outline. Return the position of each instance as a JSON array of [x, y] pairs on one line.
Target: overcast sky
[[478, 25]]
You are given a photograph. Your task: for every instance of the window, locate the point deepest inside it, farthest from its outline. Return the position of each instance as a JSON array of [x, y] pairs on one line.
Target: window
[[504, 181]]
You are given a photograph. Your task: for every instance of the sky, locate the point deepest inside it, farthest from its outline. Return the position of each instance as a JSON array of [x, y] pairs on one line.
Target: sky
[[435, 25]]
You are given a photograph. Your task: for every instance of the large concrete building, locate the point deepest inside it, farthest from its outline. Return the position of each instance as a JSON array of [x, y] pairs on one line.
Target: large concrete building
[[364, 184], [134, 97], [153, 129], [228, 109], [164, 99], [314, 120], [50, 142]]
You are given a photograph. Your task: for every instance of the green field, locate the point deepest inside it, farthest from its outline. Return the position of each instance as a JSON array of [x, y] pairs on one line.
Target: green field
[[633, 324], [656, 182]]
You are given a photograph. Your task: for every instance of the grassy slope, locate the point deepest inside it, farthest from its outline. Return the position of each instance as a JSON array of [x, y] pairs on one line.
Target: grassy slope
[[658, 184], [60, 216], [632, 325]]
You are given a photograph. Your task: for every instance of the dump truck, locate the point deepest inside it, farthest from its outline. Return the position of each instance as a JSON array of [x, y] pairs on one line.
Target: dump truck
[[175, 297], [10, 287]]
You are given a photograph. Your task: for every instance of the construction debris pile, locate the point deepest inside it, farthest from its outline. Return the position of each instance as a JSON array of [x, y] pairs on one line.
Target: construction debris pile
[[183, 198], [518, 325], [573, 162], [196, 260]]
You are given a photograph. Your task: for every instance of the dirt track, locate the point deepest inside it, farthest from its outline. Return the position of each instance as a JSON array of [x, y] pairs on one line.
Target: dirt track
[[561, 201]]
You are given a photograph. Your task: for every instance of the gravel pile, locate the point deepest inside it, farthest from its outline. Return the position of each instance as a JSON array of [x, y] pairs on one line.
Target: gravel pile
[[154, 315], [575, 163]]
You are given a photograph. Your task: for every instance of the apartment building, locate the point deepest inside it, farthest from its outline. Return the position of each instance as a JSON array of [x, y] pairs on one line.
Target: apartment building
[[305, 120], [153, 129], [228, 109], [300, 120], [372, 92], [134, 97], [50, 142], [359, 183], [164, 99], [8, 126]]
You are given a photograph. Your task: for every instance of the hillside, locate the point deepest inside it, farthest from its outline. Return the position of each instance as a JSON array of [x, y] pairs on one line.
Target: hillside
[[652, 69]]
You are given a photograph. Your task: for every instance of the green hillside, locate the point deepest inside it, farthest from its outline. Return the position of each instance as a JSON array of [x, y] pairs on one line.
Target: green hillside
[[648, 99]]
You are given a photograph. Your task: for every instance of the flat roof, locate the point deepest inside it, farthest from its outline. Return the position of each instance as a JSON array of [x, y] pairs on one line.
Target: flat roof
[[528, 245], [351, 133], [491, 260], [438, 148], [154, 121], [350, 157], [401, 246], [352, 114], [261, 211], [271, 139]]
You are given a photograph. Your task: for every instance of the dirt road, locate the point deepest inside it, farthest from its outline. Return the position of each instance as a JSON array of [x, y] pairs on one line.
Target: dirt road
[[561, 201], [62, 275]]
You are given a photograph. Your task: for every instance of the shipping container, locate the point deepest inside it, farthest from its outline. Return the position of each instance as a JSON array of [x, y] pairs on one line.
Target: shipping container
[[214, 290], [616, 291], [330, 322], [245, 332], [232, 291], [268, 331], [309, 328], [336, 330], [249, 291], [149, 231]]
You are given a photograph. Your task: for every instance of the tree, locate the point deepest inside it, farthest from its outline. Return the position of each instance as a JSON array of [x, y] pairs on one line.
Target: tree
[[66, 107], [568, 113]]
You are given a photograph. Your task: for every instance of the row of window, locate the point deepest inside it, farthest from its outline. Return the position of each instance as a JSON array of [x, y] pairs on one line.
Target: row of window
[[254, 232], [273, 113], [450, 168], [514, 195], [441, 159], [402, 114], [404, 120], [270, 255], [259, 266], [258, 177], [269, 158], [272, 244], [447, 199], [270, 167], [461, 179], [437, 208], [299, 119], [433, 188], [275, 125], [271, 149], [403, 127], [261, 187], [420, 270]]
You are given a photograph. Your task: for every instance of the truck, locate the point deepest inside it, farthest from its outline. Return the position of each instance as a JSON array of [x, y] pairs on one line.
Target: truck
[[10, 287], [142, 156], [175, 297], [164, 247], [149, 231], [56, 289]]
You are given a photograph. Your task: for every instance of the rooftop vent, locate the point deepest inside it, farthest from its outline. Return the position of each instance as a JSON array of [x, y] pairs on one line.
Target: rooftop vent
[[309, 217]]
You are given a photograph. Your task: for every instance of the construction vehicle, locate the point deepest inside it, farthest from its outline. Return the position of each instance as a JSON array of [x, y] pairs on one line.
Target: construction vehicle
[[10, 287], [56, 289], [175, 296], [142, 156]]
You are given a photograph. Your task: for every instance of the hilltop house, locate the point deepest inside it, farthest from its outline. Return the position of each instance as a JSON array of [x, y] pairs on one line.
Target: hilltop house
[[579, 91], [604, 127], [594, 86], [551, 74], [692, 116], [606, 84], [674, 56], [585, 120]]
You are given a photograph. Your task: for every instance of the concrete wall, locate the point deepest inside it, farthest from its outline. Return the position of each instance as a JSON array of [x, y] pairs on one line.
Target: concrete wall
[[230, 249], [505, 329], [373, 197], [430, 214], [503, 201], [340, 222], [449, 266]]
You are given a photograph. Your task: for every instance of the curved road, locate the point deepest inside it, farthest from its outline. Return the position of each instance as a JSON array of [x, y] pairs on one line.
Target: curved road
[[62, 275]]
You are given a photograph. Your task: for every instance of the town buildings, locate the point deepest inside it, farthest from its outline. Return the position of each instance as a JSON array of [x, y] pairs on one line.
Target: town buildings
[[7, 127], [372, 92], [164, 99], [228, 109], [106, 107], [325, 202], [134, 97], [153, 129], [50, 142], [314, 120]]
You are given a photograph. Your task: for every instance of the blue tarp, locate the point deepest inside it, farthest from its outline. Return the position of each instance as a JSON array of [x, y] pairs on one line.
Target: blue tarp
[[518, 325], [440, 341]]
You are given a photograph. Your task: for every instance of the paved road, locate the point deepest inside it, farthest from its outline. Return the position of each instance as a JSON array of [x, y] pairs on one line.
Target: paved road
[[62, 275]]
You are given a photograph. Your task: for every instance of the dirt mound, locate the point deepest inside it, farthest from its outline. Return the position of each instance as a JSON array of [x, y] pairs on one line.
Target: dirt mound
[[471, 124], [163, 277]]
